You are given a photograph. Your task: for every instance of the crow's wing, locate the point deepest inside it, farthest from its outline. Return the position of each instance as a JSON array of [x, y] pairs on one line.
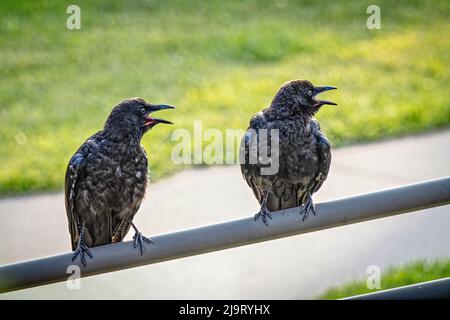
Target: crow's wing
[[73, 173], [324, 162], [323, 150], [251, 170]]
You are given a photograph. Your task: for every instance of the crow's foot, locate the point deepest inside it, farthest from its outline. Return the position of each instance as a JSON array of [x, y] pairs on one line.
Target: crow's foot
[[82, 248], [264, 213], [307, 207], [139, 239]]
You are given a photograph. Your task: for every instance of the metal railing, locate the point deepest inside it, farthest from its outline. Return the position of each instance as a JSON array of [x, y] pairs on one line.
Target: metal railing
[[435, 289], [229, 234]]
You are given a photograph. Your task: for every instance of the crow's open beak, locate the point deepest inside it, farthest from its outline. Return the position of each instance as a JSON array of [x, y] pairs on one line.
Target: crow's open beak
[[150, 121], [318, 90]]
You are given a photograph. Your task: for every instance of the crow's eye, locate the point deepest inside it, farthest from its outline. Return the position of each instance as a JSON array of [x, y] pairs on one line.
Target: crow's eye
[[143, 110], [309, 93]]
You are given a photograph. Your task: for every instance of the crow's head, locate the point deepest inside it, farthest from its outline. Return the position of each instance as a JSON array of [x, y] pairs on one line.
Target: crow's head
[[299, 96], [133, 115]]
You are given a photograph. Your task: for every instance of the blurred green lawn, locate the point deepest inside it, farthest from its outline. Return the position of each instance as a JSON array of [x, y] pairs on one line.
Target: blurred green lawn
[[217, 61], [396, 276]]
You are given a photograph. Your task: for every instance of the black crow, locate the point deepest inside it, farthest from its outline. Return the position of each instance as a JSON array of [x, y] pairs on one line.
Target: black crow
[[302, 149], [106, 179]]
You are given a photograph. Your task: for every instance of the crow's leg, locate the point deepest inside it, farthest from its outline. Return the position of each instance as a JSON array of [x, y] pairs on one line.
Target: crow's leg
[[307, 207], [82, 248], [139, 238], [264, 212]]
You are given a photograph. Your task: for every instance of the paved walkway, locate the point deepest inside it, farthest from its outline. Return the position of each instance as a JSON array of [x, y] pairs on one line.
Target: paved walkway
[[295, 267]]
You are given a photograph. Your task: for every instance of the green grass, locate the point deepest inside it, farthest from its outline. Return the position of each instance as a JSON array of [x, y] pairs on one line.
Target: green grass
[[397, 276], [217, 61]]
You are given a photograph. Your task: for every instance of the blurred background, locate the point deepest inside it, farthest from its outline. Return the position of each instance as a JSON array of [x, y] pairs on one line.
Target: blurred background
[[220, 62]]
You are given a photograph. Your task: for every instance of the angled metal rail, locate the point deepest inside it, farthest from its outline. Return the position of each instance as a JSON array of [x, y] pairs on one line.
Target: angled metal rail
[[435, 289], [229, 234]]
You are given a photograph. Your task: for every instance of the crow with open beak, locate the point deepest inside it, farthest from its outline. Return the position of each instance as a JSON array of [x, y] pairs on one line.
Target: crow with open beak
[[106, 179], [303, 150]]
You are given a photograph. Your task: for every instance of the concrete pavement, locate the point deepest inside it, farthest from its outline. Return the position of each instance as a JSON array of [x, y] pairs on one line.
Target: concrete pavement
[[295, 267]]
